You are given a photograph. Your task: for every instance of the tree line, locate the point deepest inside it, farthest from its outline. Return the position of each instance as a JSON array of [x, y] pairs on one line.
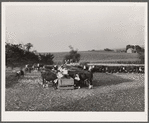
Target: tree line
[[19, 55], [72, 57], [136, 48], [139, 50]]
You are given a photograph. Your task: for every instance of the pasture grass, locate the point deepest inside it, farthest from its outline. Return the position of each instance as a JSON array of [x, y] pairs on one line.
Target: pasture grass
[[101, 57], [11, 79], [111, 92]]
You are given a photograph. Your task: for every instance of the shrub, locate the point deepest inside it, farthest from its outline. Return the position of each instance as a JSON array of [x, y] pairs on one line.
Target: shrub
[[73, 56]]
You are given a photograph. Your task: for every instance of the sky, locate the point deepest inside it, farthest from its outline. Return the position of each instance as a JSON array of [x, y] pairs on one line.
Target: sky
[[52, 27]]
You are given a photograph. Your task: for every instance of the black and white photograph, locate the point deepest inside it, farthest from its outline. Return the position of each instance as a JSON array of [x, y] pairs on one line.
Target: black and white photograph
[[74, 61]]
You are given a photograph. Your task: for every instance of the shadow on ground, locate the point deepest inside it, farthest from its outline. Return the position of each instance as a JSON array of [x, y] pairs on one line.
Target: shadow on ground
[[104, 79], [11, 80], [133, 100]]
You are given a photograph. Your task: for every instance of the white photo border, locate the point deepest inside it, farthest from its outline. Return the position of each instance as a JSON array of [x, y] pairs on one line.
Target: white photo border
[[71, 116]]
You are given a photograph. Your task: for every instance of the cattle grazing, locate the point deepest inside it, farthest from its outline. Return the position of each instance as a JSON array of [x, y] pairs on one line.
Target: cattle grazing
[[39, 66], [35, 67], [48, 67], [52, 68], [77, 81], [55, 67], [19, 73], [81, 77], [141, 69], [75, 76], [85, 67], [87, 78], [49, 76], [28, 68], [84, 78], [91, 68], [119, 68], [97, 69]]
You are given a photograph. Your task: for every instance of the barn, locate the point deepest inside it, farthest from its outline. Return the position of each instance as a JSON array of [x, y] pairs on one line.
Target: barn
[[130, 50]]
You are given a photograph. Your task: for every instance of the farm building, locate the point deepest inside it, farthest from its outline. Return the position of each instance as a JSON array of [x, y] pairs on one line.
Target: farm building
[[134, 49], [130, 50]]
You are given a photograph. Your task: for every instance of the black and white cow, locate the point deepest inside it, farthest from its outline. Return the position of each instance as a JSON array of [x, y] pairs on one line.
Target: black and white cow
[[49, 76], [28, 67], [39, 66], [19, 73], [82, 78], [141, 69]]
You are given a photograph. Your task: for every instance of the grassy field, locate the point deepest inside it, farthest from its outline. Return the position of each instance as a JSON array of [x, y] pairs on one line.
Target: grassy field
[[100, 56], [111, 92]]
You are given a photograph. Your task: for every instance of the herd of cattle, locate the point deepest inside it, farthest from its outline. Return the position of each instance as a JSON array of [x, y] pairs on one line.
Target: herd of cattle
[[52, 73], [81, 74], [118, 68]]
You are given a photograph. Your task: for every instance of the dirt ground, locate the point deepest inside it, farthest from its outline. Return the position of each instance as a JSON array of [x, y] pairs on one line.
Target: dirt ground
[[111, 92]]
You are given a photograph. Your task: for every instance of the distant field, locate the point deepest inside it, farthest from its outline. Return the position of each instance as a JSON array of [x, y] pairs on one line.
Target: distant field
[[102, 56]]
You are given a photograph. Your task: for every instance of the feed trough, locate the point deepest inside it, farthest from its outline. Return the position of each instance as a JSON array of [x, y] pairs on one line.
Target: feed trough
[[66, 82]]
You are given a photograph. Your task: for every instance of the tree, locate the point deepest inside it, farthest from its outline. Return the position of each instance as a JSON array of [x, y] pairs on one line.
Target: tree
[[139, 49], [46, 59], [34, 51], [107, 49], [73, 55], [28, 46], [14, 54], [17, 56], [30, 58], [141, 57], [49, 58], [128, 46]]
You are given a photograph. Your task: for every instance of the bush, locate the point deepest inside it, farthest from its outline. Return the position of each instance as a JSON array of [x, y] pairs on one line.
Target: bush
[[107, 49], [141, 57], [73, 56], [46, 59], [17, 55]]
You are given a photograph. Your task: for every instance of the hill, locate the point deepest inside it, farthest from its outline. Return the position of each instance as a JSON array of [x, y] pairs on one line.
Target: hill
[[100, 56]]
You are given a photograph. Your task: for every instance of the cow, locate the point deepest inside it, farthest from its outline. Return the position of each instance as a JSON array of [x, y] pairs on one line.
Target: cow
[[19, 73], [82, 78], [49, 76], [141, 69], [86, 78], [28, 67], [121, 69], [109, 69], [35, 67], [103, 69], [91, 68], [55, 67], [97, 69], [115, 69], [39, 66], [49, 67], [138, 69]]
